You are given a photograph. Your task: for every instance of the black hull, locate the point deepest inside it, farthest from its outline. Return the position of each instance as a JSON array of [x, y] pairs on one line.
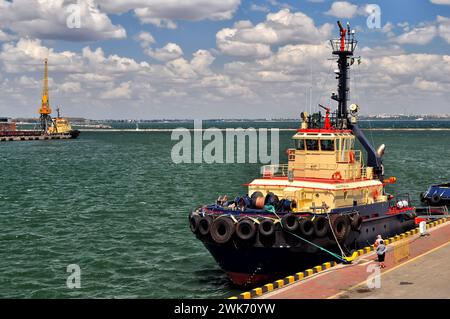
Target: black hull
[[74, 134], [441, 203], [28, 135], [248, 264]]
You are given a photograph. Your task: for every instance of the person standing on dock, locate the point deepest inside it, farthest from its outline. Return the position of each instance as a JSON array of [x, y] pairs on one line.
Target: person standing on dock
[[377, 241], [381, 252]]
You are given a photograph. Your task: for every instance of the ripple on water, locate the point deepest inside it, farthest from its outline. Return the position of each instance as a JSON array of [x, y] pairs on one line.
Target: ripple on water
[[116, 205]]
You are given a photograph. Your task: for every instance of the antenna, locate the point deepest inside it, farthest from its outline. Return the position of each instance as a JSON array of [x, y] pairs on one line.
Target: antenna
[[310, 92]]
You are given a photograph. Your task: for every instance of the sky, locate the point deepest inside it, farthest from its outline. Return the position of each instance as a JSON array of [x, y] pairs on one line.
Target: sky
[[202, 59]]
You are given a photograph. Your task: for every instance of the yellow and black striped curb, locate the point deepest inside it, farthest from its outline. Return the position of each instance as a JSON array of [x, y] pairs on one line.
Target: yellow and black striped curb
[[277, 284]]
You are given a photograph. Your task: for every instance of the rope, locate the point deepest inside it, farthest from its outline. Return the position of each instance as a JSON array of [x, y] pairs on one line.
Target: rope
[[311, 243], [334, 235]]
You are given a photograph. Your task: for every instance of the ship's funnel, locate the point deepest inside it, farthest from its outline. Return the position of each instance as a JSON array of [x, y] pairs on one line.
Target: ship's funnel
[[380, 150]]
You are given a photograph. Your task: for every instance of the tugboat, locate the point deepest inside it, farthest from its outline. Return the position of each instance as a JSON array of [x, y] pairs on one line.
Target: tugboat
[[325, 203]]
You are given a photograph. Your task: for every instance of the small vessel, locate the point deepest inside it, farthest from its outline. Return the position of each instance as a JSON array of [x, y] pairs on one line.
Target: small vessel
[[61, 125], [326, 202], [437, 195], [49, 128]]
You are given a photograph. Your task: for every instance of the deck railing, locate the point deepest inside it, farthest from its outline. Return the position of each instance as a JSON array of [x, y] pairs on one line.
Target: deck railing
[[328, 171]]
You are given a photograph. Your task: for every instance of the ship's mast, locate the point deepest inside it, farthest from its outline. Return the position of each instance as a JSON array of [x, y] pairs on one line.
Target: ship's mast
[[45, 109], [343, 48]]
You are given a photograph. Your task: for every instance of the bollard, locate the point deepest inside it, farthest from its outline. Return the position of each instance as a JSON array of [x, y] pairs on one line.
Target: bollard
[[423, 228]]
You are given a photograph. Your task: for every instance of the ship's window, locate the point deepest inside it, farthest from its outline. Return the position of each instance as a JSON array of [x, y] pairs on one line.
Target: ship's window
[[327, 145], [300, 145], [312, 145]]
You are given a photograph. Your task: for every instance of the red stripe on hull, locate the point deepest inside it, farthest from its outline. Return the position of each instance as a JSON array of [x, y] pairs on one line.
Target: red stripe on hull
[[242, 280]]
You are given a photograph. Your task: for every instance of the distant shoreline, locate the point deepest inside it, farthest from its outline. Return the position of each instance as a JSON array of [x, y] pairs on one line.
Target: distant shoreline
[[280, 129]]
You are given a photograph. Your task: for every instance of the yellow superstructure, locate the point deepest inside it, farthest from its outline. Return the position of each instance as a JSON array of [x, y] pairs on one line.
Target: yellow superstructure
[[60, 125], [324, 172]]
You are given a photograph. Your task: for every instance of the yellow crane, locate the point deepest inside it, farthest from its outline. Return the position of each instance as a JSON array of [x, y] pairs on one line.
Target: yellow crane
[[45, 110]]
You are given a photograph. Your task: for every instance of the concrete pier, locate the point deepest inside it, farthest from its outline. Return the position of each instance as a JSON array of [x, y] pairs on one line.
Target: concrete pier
[[34, 138], [416, 268]]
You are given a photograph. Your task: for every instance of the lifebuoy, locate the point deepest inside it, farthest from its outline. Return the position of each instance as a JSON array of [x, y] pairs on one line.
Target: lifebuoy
[[321, 226], [290, 222], [266, 227], [336, 176], [204, 225], [245, 229], [306, 227], [222, 229]]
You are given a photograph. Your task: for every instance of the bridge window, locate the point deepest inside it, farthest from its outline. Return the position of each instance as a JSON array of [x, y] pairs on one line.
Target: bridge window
[[300, 145], [312, 145], [327, 145]]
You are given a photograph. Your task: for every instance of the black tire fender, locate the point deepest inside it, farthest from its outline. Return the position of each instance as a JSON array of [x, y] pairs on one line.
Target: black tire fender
[[266, 227], [321, 226], [356, 221], [435, 199], [245, 229], [204, 225], [194, 220], [340, 226], [289, 222], [306, 227], [222, 229]]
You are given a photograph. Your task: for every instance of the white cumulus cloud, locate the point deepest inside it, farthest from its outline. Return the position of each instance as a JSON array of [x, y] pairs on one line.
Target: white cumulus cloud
[[49, 20], [284, 26], [170, 51], [165, 13], [342, 9]]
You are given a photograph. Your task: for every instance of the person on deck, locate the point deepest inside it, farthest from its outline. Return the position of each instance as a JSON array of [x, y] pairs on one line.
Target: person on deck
[[381, 252]]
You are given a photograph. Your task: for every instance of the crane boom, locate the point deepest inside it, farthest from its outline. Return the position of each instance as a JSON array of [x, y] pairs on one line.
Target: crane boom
[[45, 108]]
